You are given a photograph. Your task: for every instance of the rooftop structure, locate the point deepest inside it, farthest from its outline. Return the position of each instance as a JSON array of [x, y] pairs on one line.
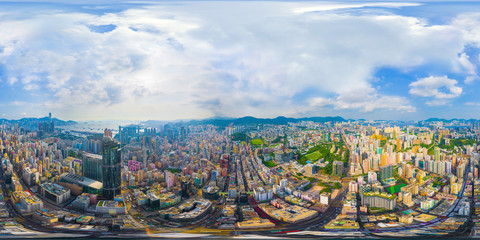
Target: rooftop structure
[[55, 192], [283, 211], [79, 184], [379, 200], [111, 207], [191, 210]]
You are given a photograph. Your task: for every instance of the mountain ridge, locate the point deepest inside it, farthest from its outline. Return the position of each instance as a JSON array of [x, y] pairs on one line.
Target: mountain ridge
[[32, 123], [447, 120], [280, 120]]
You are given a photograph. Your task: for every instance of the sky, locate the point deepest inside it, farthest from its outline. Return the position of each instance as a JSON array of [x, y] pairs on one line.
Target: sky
[[168, 60]]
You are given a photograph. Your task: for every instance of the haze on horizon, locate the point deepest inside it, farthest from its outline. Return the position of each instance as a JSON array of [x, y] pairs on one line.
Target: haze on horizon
[[192, 60]]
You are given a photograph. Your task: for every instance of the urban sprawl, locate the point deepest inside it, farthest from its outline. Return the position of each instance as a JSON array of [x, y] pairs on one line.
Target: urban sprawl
[[304, 178]]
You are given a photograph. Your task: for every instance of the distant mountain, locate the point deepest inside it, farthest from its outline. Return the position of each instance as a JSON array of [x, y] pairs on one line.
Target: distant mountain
[[253, 120], [449, 120], [32, 123]]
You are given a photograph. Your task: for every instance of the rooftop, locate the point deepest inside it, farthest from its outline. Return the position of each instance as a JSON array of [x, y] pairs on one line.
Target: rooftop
[[380, 194], [83, 181], [54, 188]]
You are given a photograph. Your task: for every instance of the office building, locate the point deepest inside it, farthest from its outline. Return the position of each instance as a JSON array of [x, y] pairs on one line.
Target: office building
[[111, 168], [55, 192], [81, 202], [311, 169], [325, 198], [92, 166]]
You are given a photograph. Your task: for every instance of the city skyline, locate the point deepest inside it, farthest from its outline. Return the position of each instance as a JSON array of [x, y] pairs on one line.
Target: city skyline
[[196, 60], [281, 118], [309, 178], [212, 119]]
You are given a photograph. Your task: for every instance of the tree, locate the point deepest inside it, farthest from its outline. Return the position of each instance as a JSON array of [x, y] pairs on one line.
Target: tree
[[327, 190], [240, 137]]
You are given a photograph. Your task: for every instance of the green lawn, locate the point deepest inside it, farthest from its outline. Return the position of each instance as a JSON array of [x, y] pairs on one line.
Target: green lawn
[[269, 163], [314, 156], [396, 188], [373, 210], [257, 141]]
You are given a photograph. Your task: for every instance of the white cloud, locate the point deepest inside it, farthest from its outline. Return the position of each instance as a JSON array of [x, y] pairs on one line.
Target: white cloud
[[436, 102], [440, 88], [248, 58], [326, 6], [470, 79], [464, 65], [365, 100], [321, 102], [12, 80], [18, 103], [468, 24], [472, 103]]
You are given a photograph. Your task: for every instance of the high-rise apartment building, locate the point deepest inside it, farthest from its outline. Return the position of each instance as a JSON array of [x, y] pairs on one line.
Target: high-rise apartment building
[[337, 168], [386, 172], [436, 154]]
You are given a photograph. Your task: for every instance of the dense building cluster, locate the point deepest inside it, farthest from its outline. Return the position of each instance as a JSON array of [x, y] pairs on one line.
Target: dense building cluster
[[335, 175]]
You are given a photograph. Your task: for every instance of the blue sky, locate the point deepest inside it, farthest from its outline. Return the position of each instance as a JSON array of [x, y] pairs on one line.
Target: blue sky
[[164, 60]]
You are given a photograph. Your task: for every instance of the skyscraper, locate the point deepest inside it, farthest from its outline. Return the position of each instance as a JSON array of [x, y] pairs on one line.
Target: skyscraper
[[47, 127], [186, 188], [386, 172], [92, 166], [436, 154], [111, 168], [337, 168]]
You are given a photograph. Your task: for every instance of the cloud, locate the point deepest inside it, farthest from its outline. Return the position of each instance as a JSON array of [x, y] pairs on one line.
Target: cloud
[[331, 6], [440, 88], [12, 80], [470, 79], [18, 103], [321, 102], [472, 103], [468, 24], [464, 65], [365, 100], [250, 58], [436, 102]]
